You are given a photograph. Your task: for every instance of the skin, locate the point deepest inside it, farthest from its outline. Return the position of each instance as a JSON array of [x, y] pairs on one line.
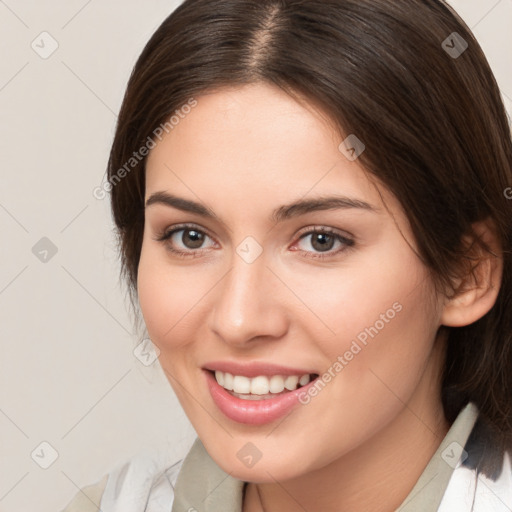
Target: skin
[[364, 440]]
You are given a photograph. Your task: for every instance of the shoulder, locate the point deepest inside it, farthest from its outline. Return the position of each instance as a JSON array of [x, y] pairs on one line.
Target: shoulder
[[145, 482], [88, 498], [469, 491]]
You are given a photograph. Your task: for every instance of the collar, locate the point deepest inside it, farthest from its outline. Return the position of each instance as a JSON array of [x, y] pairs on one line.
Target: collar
[[202, 485], [429, 490]]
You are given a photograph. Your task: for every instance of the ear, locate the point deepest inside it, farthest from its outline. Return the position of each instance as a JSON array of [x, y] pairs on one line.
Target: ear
[[476, 292]]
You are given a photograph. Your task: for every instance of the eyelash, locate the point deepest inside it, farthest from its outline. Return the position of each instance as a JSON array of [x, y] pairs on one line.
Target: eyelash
[[168, 233]]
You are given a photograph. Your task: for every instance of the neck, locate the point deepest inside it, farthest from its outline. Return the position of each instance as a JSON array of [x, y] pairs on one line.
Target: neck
[[377, 475]]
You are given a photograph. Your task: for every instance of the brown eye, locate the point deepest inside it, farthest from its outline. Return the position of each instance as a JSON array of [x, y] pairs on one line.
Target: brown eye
[[186, 241], [192, 239], [322, 241]]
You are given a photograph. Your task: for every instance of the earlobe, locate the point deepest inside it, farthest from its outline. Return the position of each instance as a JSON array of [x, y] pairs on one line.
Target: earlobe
[[477, 291]]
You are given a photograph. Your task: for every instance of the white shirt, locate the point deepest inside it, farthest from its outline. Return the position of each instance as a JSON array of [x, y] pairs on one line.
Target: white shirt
[[149, 483]]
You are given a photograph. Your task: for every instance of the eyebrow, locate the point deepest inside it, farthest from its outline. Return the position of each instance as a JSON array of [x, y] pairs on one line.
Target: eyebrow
[[285, 212]]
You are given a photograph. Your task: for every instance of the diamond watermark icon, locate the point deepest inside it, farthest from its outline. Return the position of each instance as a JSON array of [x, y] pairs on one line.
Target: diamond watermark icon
[[249, 454], [249, 250], [44, 455], [44, 250], [455, 45], [454, 454], [146, 352], [44, 45], [352, 147]]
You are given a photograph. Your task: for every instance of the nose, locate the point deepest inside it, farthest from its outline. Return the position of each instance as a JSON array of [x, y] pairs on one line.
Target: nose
[[248, 304]]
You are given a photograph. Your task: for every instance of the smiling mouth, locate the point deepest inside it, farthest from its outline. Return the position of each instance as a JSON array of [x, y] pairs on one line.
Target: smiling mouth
[[261, 387]]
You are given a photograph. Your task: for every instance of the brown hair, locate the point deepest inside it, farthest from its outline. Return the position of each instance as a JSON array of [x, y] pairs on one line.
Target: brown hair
[[429, 113]]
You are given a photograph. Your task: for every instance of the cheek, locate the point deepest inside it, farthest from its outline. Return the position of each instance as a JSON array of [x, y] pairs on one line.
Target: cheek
[[382, 321], [374, 362], [166, 298], [383, 291]]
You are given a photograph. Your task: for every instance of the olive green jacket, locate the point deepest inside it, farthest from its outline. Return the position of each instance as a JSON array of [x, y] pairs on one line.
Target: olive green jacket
[[197, 484]]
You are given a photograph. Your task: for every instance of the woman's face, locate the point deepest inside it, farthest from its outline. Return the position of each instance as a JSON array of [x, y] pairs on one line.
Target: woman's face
[[288, 267]]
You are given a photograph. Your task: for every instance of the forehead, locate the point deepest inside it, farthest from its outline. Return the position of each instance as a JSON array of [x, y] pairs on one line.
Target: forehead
[[257, 142], [252, 120]]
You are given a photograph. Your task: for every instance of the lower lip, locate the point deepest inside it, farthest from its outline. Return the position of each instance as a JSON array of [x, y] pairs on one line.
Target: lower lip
[[253, 412]]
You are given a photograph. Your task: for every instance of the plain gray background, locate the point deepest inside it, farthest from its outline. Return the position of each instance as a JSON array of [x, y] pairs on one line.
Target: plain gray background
[[68, 373]]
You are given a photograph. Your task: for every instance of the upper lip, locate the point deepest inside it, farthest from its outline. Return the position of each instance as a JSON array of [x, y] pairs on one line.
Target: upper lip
[[255, 369]]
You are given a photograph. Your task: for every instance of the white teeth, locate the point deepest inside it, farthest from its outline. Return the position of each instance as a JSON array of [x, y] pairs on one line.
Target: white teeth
[[276, 384], [261, 385], [291, 382], [304, 380], [241, 384], [228, 381]]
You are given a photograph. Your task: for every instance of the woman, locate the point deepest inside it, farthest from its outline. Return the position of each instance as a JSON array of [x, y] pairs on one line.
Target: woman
[[311, 203]]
